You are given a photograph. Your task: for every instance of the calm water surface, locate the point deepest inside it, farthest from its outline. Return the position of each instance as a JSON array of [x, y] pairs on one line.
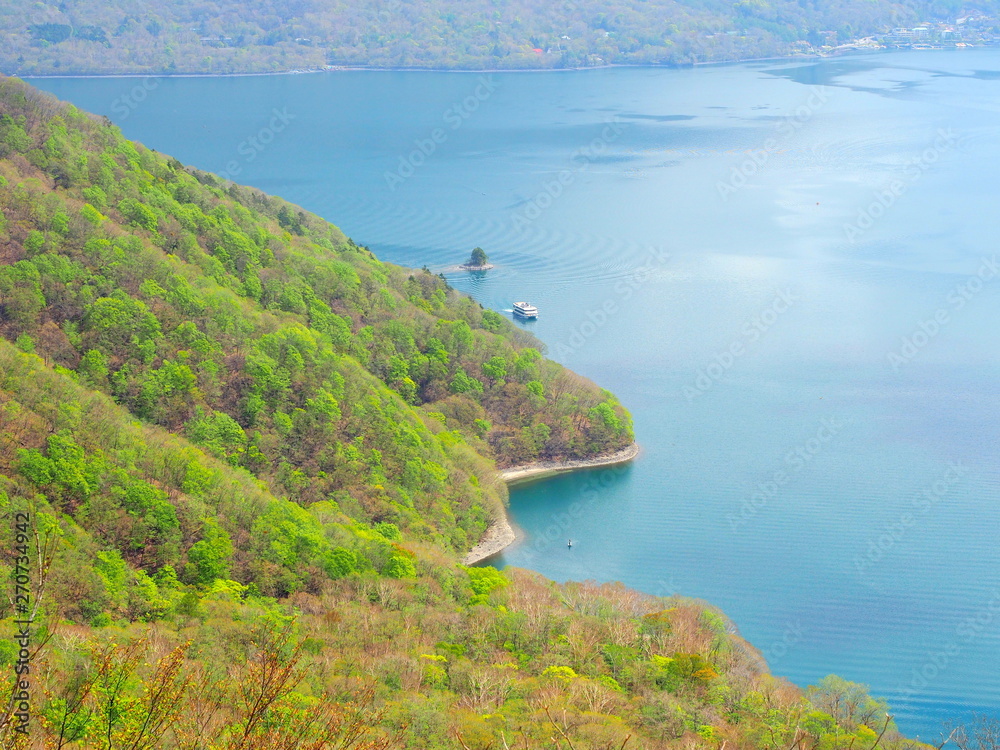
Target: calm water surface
[[785, 270]]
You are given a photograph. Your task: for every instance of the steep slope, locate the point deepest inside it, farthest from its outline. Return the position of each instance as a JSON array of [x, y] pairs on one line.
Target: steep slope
[[238, 458], [268, 338], [147, 565]]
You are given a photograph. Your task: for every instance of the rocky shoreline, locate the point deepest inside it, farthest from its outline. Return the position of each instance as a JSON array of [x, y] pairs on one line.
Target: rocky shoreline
[[497, 538], [501, 534]]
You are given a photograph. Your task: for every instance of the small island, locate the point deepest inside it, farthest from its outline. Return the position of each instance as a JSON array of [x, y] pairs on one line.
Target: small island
[[478, 261]]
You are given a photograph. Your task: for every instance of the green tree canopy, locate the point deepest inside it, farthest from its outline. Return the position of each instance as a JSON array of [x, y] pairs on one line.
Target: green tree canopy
[[478, 257]]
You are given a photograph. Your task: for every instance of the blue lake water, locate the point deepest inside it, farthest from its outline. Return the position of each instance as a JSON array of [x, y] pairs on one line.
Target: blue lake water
[[785, 270]]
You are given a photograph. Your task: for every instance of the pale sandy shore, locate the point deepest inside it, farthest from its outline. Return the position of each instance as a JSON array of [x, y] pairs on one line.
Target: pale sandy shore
[[497, 538], [500, 534]]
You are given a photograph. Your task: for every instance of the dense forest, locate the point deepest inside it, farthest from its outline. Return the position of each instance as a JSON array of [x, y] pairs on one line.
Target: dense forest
[[223, 36], [264, 336], [239, 458]]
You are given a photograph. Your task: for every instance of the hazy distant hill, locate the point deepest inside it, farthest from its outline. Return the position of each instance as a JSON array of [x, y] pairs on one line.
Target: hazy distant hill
[[223, 36]]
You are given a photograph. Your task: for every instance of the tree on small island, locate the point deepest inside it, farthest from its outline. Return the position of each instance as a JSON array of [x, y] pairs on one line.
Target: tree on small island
[[478, 257], [478, 260]]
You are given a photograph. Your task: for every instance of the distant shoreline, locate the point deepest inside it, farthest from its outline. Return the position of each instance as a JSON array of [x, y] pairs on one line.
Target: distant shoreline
[[500, 533], [467, 71]]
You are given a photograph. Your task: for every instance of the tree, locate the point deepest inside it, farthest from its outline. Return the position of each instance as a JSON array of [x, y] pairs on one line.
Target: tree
[[210, 556], [495, 369], [139, 214], [983, 733], [848, 702], [478, 257]]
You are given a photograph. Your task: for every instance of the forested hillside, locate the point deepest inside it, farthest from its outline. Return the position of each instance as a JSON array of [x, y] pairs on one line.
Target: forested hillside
[[264, 336], [223, 36], [182, 605], [239, 457]]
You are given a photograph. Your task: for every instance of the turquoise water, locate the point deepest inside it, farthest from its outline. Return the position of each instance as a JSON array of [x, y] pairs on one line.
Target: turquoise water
[[785, 270]]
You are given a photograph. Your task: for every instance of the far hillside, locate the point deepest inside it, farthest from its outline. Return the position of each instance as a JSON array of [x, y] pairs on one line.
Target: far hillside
[[223, 36]]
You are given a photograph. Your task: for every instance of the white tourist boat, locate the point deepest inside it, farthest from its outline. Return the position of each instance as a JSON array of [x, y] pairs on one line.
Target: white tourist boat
[[525, 310]]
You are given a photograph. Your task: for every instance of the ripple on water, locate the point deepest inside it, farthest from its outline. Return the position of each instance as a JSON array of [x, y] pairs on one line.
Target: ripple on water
[[440, 239]]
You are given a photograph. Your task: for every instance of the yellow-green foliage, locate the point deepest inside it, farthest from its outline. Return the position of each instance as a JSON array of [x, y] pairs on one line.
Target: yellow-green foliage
[[251, 453], [563, 674], [358, 640], [266, 337], [484, 581]]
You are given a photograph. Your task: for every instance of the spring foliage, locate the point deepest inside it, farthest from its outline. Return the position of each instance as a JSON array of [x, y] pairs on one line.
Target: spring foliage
[[251, 453], [264, 336]]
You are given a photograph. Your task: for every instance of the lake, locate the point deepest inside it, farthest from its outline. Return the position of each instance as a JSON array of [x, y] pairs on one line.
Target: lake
[[786, 270]]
